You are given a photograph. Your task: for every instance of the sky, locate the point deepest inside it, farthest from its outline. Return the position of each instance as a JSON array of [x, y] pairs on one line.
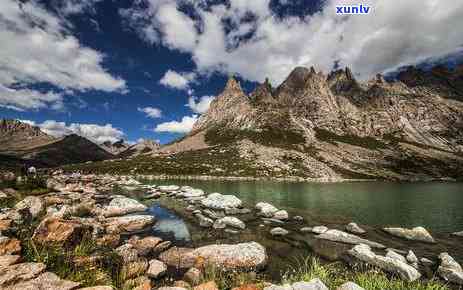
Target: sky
[[147, 69]]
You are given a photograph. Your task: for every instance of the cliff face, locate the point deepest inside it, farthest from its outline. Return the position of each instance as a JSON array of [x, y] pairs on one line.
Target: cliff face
[[332, 126]]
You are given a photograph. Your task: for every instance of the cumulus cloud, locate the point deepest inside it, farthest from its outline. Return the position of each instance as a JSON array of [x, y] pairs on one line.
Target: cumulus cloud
[[70, 7], [225, 38], [25, 99], [200, 106], [95, 133], [151, 112], [38, 47], [182, 127], [175, 80]]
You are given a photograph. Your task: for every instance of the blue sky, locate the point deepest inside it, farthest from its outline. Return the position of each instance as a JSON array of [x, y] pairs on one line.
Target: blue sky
[[110, 69]]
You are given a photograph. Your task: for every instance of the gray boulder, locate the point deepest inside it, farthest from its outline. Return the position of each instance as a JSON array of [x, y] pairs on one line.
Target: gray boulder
[[355, 229], [450, 270], [266, 209], [349, 286], [122, 206], [319, 230], [343, 237], [416, 234], [229, 221], [278, 232], [220, 201], [32, 203], [396, 266]]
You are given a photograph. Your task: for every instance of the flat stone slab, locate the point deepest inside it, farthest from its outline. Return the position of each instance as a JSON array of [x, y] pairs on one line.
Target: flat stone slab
[[346, 238], [416, 234]]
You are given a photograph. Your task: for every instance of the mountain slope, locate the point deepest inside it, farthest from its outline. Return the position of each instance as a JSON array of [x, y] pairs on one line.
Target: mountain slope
[[22, 143], [142, 147]]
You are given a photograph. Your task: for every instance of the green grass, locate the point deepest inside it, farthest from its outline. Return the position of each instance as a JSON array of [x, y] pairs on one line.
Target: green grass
[[226, 280], [335, 274], [365, 142]]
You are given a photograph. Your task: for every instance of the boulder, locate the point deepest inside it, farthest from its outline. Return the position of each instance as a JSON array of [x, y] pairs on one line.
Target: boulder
[[458, 234], [343, 237], [127, 224], [319, 230], [191, 192], [146, 245], [349, 286], [395, 266], [122, 206], [32, 203], [355, 229], [156, 269], [168, 188], [281, 215], [134, 269], [450, 270], [9, 246], [180, 258], [139, 283], [172, 288], [7, 260], [97, 288], [193, 276], [47, 280], [393, 255], [243, 256], [416, 234], [229, 221], [20, 272], [314, 284], [220, 201], [207, 286], [266, 209], [204, 222], [55, 230], [278, 232], [127, 252]]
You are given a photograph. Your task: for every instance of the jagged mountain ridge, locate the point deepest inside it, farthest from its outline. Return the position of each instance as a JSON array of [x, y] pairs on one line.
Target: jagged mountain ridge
[[116, 147], [142, 147], [409, 128]]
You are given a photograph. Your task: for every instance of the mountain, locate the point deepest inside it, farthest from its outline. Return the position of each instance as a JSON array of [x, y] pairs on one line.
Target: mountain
[[24, 143], [333, 126], [141, 148], [116, 147]]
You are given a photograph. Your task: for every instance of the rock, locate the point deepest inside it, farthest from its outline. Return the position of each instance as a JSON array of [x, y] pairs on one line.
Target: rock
[[207, 286], [278, 232], [281, 215], [393, 255], [450, 270], [168, 188], [172, 288], [182, 284], [122, 206], [349, 286], [342, 237], [191, 193], [109, 240], [204, 222], [236, 211], [314, 284], [219, 201], [415, 234], [412, 259], [266, 209], [47, 280], [298, 218], [139, 283], [97, 288], [20, 272], [272, 221], [127, 224], [9, 246], [306, 230], [146, 245], [180, 258], [458, 234], [214, 214], [5, 225], [242, 256], [248, 287], [365, 254], [229, 221], [161, 247], [156, 269], [319, 230], [31, 203], [7, 260], [54, 230], [193, 276], [355, 229], [127, 252], [426, 262]]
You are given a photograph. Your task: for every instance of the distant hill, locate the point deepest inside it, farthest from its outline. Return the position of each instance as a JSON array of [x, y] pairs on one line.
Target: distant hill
[[116, 147], [143, 147], [22, 143]]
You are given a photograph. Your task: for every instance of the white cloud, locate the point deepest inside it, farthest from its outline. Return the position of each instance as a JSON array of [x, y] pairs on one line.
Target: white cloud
[[69, 7], [202, 105], [184, 126], [37, 46], [25, 99], [95, 133], [393, 34], [177, 80], [151, 112]]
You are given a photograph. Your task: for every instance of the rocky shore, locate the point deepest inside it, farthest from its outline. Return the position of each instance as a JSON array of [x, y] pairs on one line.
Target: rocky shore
[[95, 227]]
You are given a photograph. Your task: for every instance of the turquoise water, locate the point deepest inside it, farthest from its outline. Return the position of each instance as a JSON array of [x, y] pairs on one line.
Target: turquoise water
[[437, 206]]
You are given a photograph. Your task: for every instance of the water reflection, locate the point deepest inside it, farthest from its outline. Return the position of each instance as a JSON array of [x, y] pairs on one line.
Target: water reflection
[[169, 226]]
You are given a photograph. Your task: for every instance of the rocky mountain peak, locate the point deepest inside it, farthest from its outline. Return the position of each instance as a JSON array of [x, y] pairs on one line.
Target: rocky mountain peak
[[263, 93], [232, 86], [11, 127]]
